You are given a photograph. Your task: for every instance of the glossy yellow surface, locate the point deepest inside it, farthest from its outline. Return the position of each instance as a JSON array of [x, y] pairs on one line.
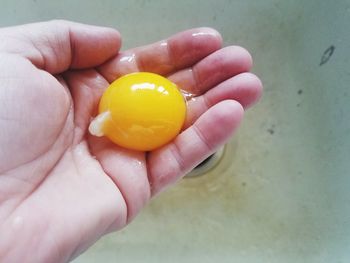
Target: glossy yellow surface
[[147, 111]]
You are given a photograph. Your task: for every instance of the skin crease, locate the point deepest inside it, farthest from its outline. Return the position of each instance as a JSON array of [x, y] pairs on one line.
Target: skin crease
[[62, 189]]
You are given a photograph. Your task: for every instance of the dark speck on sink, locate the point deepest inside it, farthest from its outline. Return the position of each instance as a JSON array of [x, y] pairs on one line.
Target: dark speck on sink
[[327, 55], [271, 130]]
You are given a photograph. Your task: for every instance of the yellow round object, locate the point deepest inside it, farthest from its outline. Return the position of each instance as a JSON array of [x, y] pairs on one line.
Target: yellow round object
[[146, 111]]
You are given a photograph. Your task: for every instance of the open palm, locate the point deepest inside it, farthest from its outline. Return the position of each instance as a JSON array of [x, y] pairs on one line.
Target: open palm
[[62, 189]]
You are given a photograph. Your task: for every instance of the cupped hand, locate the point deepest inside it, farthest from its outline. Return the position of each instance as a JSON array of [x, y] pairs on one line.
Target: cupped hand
[[62, 189]]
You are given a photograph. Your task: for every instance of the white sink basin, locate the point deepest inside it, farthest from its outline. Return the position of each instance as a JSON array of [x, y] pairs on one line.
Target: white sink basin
[[281, 192]]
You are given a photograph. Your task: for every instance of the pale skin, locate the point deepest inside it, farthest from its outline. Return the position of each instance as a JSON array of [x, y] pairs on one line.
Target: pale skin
[[61, 189]]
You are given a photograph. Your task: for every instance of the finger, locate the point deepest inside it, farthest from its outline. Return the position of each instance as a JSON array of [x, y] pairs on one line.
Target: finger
[[210, 131], [179, 51], [128, 171], [56, 46], [246, 88], [217, 67]]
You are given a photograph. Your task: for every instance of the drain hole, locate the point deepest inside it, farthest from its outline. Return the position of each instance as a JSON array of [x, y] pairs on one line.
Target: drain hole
[[204, 162], [208, 164]]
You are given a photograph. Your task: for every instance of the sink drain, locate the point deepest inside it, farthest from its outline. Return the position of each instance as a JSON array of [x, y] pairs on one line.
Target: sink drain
[[207, 164]]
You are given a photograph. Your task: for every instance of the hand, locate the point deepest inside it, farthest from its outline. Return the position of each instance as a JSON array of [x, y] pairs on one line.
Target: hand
[[62, 189]]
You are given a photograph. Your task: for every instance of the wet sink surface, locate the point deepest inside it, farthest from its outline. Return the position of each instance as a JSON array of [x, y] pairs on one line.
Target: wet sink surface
[[281, 191]]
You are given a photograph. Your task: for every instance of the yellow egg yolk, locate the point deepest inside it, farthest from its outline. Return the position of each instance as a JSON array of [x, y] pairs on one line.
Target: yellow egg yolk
[[140, 111]]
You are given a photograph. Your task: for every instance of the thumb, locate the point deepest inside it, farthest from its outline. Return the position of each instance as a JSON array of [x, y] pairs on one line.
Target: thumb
[[58, 45]]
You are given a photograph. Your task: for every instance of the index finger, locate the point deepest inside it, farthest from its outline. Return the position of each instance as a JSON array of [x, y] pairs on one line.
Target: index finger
[[165, 57]]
